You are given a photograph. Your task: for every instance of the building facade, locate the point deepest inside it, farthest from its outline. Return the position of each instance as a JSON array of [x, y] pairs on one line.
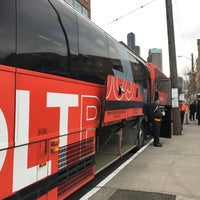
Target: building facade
[[198, 67], [155, 56], [83, 6]]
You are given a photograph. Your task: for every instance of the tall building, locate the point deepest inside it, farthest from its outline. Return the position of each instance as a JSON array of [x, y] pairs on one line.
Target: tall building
[[155, 56], [83, 6], [131, 43]]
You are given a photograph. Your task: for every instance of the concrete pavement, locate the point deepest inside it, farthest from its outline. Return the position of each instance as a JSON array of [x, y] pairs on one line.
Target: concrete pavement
[[170, 171]]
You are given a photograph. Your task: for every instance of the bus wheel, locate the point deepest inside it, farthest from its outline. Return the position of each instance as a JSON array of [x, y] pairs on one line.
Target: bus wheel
[[141, 137]]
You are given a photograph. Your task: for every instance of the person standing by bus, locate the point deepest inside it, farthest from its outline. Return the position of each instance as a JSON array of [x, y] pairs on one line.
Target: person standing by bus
[[156, 115], [183, 108]]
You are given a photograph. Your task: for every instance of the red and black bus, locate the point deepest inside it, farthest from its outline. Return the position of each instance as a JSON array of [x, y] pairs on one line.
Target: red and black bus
[[71, 101]]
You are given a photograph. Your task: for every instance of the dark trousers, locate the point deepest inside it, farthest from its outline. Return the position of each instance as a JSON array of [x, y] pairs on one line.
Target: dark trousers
[[182, 118], [192, 115], [156, 131], [198, 117]]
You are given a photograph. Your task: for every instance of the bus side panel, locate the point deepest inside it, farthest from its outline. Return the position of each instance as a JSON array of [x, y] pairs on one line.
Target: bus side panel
[[70, 186], [123, 100], [57, 108], [7, 91], [55, 102]]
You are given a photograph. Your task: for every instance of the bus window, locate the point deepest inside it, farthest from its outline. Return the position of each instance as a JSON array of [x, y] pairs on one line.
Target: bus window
[[7, 32], [139, 71], [69, 23], [92, 52], [126, 72], [113, 55], [161, 84], [71, 34], [140, 75], [41, 38]]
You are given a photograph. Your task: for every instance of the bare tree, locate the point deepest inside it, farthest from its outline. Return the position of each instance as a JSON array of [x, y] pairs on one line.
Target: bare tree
[[197, 77], [190, 83]]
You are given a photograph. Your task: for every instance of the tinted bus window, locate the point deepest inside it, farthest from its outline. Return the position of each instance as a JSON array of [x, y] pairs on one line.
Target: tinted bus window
[[68, 19], [125, 72], [162, 83], [140, 75], [7, 32], [92, 40], [139, 70], [114, 55], [41, 38], [93, 62]]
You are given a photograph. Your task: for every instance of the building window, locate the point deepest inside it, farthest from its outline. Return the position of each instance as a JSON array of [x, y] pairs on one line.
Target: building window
[[70, 2], [77, 6], [84, 12]]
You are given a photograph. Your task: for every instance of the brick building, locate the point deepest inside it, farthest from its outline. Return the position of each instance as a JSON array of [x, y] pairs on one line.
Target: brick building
[[83, 6], [198, 67]]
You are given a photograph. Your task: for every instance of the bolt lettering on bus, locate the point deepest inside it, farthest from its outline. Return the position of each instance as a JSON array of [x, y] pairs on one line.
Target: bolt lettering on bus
[[63, 101], [4, 138], [90, 111], [23, 174], [21, 137]]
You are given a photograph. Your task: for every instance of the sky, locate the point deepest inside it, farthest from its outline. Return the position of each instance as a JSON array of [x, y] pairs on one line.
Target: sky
[[147, 20]]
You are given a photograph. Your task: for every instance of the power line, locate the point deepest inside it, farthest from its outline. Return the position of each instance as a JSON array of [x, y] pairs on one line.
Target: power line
[[117, 19]]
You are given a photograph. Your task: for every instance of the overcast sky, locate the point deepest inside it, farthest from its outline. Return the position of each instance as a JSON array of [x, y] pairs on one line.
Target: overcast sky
[[147, 20]]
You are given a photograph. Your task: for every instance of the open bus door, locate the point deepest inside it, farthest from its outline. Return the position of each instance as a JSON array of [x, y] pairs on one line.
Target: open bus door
[[163, 87]]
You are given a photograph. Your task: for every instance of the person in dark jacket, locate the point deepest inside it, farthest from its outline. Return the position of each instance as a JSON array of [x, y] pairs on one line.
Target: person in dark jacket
[[156, 117], [198, 109], [192, 111]]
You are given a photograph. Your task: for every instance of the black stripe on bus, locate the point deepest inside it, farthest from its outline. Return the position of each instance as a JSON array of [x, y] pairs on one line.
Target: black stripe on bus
[[120, 105]]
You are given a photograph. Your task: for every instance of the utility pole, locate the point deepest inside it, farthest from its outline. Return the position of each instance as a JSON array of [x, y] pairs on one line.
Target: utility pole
[[173, 67]]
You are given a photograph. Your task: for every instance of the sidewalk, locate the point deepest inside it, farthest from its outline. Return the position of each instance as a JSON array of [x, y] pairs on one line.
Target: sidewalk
[[170, 172]]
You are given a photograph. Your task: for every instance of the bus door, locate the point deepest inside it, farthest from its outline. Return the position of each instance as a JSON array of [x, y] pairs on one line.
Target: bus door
[[163, 87]]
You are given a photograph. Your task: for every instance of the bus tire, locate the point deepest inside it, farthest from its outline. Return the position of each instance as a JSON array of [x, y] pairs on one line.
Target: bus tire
[[140, 136]]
